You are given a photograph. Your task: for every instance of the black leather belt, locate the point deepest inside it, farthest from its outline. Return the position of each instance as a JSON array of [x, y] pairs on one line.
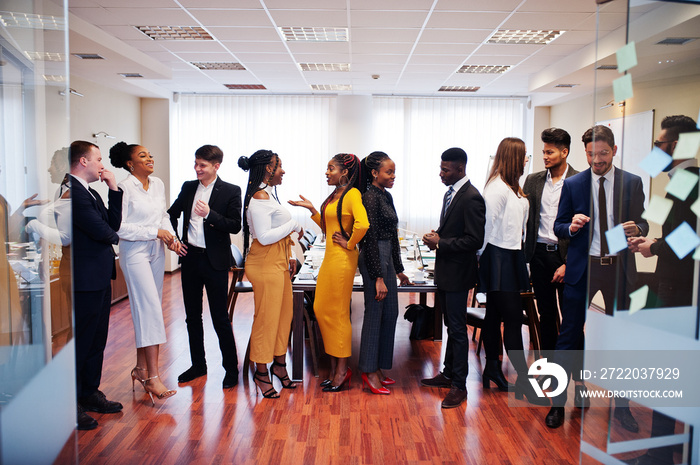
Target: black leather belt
[[195, 249], [548, 247], [604, 260]]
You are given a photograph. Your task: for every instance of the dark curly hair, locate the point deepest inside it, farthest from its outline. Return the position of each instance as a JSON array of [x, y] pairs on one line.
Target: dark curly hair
[[351, 163], [256, 164], [371, 162], [120, 153]]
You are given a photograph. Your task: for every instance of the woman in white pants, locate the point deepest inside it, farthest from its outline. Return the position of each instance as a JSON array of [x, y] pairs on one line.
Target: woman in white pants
[[145, 228]]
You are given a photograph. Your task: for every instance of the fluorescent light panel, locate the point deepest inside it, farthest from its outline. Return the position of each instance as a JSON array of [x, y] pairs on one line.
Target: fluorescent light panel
[[324, 66], [175, 32], [483, 69], [45, 56], [245, 86], [314, 34], [459, 89], [217, 66], [524, 36], [331, 87], [54, 78], [32, 21]]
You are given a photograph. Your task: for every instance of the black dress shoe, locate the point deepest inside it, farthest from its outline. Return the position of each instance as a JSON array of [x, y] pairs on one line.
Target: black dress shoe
[[97, 402], [581, 401], [191, 373], [230, 380], [438, 381], [85, 421], [555, 417], [626, 419], [454, 398]]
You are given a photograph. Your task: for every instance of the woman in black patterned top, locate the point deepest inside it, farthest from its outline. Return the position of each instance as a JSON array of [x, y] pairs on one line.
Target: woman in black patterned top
[[380, 262]]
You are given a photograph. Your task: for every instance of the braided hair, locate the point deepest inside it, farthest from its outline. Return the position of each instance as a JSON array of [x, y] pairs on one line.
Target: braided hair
[[351, 163], [256, 164], [120, 153], [373, 161]]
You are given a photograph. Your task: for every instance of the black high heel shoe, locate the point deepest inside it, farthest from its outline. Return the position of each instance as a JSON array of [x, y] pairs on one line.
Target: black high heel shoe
[[331, 388], [286, 382], [258, 378], [493, 372], [523, 388], [326, 382]]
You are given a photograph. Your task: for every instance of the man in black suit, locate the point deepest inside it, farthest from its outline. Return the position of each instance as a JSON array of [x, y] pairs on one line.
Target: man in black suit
[[545, 252], [94, 232], [212, 211], [459, 237]]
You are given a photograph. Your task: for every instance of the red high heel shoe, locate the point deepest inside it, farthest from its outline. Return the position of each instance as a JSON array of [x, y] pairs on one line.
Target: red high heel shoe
[[331, 388], [374, 390], [388, 381]]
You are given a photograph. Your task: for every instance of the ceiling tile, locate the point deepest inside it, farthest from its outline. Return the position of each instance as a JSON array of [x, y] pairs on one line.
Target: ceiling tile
[[227, 17], [249, 34], [466, 20], [492, 5], [319, 47], [307, 4], [395, 19], [196, 46], [455, 36], [382, 48], [204, 56], [310, 18], [246, 58], [449, 49], [383, 35], [552, 21], [258, 47]]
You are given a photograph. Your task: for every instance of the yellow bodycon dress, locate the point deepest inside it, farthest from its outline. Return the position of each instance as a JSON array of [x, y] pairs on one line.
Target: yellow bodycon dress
[[335, 278]]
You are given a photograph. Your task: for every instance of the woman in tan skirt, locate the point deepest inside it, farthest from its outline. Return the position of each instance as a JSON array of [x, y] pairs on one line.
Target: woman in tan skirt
[[269, 266]]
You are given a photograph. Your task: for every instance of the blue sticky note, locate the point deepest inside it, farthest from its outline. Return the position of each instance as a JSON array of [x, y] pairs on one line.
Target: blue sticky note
[[622, 88], [681, 184], [655, 162], [626, 57], [683, 240], [695, 207], [617, 240], [638, 299]]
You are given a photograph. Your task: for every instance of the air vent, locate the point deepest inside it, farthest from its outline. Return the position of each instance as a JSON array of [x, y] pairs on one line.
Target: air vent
[[245, 86], [315, 34], [483, 69], [607, 67], [175, 32], [331, 87], [567, 85], [219, 66], [324, 66], [130, 75], [507, 36], [459, 89], [676, 40], [88, 56], [31, 21]]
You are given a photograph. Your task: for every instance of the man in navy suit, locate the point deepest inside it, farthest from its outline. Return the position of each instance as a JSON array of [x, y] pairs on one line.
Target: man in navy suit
[[456, 241], [212, 211], [94, 232], [592, 202]]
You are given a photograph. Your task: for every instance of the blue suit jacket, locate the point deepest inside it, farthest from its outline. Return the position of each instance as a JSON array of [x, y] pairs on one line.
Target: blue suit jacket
[[628, 205], [94, 231]]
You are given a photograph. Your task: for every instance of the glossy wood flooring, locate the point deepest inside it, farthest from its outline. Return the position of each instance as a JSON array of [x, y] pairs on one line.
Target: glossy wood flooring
[[204, 424]]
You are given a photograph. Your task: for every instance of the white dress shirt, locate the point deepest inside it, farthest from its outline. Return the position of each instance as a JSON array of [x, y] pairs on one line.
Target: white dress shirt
[[195, 233], [551, 193], [609, 192], [268, 221], [506, 216], [143, 211]]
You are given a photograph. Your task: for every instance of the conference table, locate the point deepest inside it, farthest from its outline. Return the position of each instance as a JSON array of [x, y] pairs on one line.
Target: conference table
[[305, 282]]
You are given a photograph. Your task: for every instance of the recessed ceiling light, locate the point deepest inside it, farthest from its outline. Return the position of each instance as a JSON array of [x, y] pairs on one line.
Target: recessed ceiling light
[[459, 89], [32, 21], [324, 66], [245, 86], [331, 87], [130, 75], [218, 66], [45, 56], [54, 78], [607, 67], [175, 32], [523, 36], [315, 34], [88, 56], [676, 40], [566, 85], [483, 69]]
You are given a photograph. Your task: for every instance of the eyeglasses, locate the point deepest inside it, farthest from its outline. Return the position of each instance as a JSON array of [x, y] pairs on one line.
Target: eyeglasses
[[602, 153], [658, 143]]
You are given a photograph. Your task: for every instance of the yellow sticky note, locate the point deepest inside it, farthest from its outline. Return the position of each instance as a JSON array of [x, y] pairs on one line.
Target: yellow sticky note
[[622, 88], [626, 57], [638, 299], [682, 183], [688, 146], [658, 210]]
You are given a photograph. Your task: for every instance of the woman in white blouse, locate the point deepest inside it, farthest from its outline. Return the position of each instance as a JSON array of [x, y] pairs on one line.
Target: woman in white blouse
[[144, 229], [502, 270], [269, 266]]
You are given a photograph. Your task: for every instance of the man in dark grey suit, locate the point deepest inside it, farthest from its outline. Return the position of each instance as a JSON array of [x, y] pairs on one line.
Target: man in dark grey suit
[[459, 237], [545, 252]]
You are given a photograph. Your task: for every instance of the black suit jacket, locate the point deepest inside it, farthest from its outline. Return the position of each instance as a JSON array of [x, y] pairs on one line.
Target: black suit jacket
[[94, 232], [224, 219], [461, 236], [534, 185]]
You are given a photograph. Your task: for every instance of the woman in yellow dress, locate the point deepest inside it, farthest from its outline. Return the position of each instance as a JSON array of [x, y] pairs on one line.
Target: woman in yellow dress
[[343, 218]]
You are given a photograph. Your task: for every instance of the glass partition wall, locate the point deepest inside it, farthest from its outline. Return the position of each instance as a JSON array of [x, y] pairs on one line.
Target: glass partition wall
[[642, 345]]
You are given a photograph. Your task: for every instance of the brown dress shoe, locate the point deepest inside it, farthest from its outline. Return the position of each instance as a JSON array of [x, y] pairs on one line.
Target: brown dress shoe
[[454, 398], [438, 381]]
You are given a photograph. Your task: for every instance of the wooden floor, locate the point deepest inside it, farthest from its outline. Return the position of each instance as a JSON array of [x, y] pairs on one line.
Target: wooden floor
[[204, 424]]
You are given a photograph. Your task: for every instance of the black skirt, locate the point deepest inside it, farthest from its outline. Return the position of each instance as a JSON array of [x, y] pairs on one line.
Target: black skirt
[[503, 270]]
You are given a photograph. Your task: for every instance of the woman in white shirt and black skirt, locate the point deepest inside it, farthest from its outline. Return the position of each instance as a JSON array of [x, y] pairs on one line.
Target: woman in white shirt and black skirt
[[502, 270]]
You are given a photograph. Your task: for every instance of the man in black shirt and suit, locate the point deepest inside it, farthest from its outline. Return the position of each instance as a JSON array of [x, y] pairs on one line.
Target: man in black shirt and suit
[[459, 237], [94, 232], [212, 211]]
